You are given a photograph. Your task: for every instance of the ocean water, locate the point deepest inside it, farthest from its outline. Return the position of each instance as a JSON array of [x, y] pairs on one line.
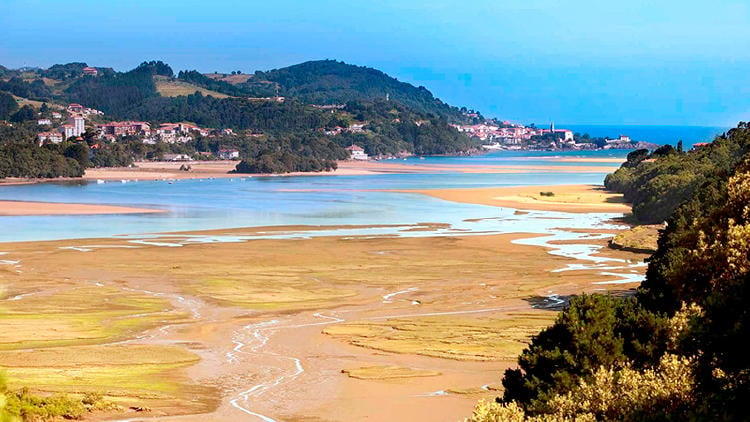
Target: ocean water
[[202, 204], [655, 134]]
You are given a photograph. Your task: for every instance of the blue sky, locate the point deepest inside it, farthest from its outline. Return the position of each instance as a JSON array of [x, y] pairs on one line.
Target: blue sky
[[671, 62]]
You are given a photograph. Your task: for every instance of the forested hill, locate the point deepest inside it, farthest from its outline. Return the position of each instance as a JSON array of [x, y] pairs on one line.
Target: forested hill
[[322, 82], [334, 82], [291, 133]]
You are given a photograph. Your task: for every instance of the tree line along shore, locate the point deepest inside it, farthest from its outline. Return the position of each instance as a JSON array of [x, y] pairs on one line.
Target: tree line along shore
[[670, 352]]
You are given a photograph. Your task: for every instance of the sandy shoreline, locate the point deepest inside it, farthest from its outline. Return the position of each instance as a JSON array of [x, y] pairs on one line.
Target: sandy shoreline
[[27, 208], [157, 170], [566, 198]]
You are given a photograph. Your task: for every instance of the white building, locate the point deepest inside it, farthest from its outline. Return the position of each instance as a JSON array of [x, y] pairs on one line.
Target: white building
[[356, 152], [177, 157], [78, 123], [42, 122], [66, 130], [53, 137], [229, 154]]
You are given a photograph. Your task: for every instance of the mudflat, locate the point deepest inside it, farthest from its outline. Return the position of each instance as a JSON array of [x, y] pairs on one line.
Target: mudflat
[[325, 328]]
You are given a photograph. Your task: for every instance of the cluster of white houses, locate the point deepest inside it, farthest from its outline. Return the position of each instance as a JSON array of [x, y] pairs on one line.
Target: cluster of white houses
[[75, 126], [510, 133]]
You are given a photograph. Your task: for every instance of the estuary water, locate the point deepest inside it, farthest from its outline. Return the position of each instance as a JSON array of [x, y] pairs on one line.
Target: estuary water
[[203, 204]]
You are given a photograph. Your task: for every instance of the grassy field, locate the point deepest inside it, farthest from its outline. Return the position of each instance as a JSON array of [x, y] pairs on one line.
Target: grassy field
[[639, 239], [387, 372], [448, 337], [174, 88], [25, 101]]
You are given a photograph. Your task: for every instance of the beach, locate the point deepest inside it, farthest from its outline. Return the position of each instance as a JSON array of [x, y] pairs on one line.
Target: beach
[[27, 208], [567, 198]]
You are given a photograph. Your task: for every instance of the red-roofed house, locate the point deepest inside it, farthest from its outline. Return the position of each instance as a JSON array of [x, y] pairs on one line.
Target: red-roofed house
[[356, 152], [125, 128], [90, 71], [75, 108]]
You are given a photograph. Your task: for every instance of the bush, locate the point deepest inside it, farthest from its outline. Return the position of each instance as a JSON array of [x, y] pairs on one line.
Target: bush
[[594, 331]]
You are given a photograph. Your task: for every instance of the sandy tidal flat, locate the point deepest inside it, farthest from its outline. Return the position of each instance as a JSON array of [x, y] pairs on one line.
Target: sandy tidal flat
[[19, 208], [419, 326], [567, 198]]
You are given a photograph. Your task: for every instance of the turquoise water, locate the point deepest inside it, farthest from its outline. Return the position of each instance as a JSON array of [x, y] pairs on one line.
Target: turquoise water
[[520, 158], [279, 201]]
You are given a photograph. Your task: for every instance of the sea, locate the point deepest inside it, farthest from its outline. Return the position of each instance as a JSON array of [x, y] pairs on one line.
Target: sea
[[689, 135]]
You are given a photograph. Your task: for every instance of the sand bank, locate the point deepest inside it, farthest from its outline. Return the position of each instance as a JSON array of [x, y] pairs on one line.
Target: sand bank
[[567, 198], [20, 208], [149, 170]]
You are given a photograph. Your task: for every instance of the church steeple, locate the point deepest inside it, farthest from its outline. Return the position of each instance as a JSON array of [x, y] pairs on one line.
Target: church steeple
[[552, 127]]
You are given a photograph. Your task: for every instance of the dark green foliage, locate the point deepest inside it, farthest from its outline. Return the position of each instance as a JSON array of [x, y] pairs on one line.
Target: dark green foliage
[[64, 72], [412, 122], [237, 113], [635, 157], [703, 257], [719, 335], [657, 185], [118, 93], [8, 105], [698, 261], [308, 153], [333, 82], [35, 90], [393, 128], [112, 155], [594, 331], [30, 160], [78, 152], [23, 114]]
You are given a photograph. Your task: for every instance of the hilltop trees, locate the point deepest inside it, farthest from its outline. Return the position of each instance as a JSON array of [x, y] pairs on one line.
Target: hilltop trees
[[333, 82], [8, 105], [658, 183]]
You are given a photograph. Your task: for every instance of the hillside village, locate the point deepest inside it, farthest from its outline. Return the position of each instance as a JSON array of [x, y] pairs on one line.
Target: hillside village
[[304, 117], [70, 124]]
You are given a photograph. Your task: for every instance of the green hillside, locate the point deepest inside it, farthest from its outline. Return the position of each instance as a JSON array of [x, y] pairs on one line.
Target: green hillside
[[334, 82]]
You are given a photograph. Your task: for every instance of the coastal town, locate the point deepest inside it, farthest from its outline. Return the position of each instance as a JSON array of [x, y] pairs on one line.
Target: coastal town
[[72, 122], [515, 137]]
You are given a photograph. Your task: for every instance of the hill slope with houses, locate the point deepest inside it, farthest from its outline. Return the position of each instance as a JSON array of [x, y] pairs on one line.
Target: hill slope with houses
[[150, 113]]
